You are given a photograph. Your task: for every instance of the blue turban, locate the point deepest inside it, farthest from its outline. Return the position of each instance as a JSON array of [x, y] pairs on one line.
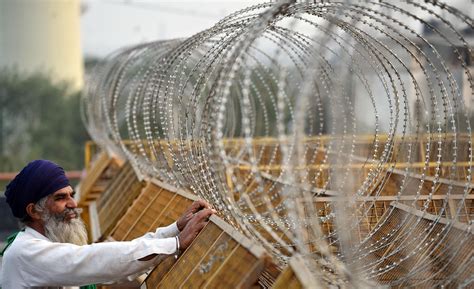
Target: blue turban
[[38, 179]]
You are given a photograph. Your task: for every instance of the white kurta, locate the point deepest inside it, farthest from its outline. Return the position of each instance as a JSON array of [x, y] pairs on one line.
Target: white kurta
[[33, 260]]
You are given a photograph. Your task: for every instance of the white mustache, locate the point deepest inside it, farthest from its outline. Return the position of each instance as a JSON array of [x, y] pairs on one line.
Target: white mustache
[[67, 211]]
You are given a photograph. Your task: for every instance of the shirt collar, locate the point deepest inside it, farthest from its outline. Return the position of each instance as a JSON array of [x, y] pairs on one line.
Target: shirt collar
[[36, 234]]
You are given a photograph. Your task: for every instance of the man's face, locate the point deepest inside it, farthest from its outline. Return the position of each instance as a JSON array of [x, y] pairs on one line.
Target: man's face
[[61, 218], [62, 202]]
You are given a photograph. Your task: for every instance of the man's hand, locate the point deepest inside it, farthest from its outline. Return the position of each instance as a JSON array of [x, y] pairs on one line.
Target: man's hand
[[193, 209], [193, 227]]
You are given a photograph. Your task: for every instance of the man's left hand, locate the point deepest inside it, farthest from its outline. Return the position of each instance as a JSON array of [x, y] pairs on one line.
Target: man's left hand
[[193, 209]]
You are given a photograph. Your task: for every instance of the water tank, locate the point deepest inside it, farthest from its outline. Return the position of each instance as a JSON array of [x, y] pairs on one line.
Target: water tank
[[42, 35]]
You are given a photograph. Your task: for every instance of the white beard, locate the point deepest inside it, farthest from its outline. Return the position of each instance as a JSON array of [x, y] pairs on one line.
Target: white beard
[[58, 229]]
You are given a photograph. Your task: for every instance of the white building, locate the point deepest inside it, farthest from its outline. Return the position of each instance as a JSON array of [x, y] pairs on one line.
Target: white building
[[42, 36]]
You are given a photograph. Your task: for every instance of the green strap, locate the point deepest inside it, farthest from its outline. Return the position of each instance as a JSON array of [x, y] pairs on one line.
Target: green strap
[[10, 240]]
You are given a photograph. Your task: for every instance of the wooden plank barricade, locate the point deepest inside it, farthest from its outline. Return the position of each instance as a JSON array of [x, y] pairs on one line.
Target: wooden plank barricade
[[295, 276], [409, 229], [158, 205], [220, 257], [97, 178], [114, 202]]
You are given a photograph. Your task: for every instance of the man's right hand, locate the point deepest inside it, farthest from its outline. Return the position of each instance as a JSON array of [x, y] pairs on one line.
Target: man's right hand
[[193, 227], [193, 209]]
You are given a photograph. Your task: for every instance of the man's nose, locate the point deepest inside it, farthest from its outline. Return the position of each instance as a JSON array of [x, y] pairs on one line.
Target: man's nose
[[71, 203]]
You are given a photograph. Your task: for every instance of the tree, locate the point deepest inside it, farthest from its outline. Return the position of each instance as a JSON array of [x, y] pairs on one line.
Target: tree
[[39, 119]]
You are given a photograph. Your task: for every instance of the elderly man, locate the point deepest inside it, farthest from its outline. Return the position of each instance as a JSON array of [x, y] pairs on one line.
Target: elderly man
[[52, 249]]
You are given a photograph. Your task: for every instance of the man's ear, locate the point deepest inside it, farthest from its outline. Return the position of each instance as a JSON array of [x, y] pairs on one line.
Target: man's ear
[[32, 212]]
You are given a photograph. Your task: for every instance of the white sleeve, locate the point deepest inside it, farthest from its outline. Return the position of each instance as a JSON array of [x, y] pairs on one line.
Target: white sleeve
[[61, 264], [164, 232]]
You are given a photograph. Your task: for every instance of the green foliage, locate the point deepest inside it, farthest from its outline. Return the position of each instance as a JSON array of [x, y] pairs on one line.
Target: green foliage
[[39, 119]]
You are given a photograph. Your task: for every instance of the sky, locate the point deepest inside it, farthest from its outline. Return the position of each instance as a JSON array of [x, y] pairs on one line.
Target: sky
[[107, 25]]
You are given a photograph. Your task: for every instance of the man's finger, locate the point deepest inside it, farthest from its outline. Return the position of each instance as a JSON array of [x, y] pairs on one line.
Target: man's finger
[[196, 206], [204, 214], [201, 204]]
